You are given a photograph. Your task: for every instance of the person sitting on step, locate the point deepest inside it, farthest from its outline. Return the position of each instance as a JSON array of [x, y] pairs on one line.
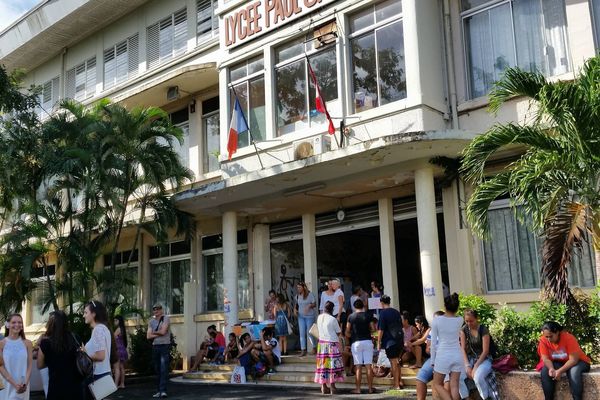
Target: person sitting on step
[[267, 350], [232, 350]]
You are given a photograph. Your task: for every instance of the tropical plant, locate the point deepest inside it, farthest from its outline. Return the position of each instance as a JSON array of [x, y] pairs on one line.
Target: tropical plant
[[554, 184]]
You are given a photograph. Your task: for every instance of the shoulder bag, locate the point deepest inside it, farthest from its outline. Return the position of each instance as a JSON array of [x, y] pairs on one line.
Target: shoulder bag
[[103, 386], [83, 362]]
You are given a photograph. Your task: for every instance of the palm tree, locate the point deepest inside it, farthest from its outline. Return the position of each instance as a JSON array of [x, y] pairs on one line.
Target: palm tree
[[555, 182]]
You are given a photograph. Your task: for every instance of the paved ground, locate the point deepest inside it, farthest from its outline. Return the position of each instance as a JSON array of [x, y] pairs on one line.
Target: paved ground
[[180, 391]]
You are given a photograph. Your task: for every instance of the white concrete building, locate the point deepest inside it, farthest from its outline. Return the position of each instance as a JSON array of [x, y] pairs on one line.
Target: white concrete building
[[403, 80]]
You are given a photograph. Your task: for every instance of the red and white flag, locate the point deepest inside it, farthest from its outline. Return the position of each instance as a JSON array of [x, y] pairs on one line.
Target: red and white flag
[[320, 101], [238, 125]]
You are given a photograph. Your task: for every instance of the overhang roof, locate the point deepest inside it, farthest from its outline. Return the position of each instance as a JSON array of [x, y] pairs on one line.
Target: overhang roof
[[318, 183], [53, 25]]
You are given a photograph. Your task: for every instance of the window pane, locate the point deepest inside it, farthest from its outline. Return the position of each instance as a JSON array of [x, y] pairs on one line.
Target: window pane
[[214, 282], [256, 65], [180, 273], [529, 31], [387, 9], [40, 296], [160, 284], [212, 143], [390, 57], [243, 281], [364, 71], [362, 20], [467, 4], [257, 109], [291, 97], [290, 50], [238, 71], [555, 22], [596, 15], [489, 55]]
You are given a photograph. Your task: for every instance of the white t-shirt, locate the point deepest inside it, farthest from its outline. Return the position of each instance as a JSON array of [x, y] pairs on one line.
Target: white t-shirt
[[274, 343], [334, 298], [100, 340], [328, 328]]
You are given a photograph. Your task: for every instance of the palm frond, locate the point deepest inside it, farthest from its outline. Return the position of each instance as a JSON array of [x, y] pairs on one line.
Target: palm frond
[[515, 82], [483, 195], [565, 232]]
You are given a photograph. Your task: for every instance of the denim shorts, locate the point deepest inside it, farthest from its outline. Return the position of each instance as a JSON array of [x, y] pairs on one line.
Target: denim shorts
[[425, 374]]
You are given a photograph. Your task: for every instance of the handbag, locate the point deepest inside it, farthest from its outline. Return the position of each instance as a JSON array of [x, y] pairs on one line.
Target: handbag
[[83, 362], [505, 364], [314, 331], [238, 375], [290, 330], [102, 387]]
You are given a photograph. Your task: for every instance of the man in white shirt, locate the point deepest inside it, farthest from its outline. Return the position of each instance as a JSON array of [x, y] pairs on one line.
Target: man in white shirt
[[267, 350]]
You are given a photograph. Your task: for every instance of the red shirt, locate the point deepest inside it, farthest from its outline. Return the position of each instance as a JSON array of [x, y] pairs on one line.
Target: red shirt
[[220, 339], [559, 352]]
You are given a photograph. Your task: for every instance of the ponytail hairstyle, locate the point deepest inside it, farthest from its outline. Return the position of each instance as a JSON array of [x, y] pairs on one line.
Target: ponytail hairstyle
[[452, 302], [121, 326]]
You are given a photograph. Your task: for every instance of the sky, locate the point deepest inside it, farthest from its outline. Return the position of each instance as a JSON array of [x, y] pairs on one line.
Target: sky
[[10, 10]]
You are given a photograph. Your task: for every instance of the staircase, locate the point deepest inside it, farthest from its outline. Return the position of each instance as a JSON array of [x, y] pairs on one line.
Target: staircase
[[293, 370]]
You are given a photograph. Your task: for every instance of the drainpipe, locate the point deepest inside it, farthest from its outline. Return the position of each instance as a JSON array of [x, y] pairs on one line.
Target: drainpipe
[[449, 50], [63, 74]]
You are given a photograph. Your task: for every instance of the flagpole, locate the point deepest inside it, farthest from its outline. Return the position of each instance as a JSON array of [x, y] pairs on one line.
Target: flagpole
[[249, 130]]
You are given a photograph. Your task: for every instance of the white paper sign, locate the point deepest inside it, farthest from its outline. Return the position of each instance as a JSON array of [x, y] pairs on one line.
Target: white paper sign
[[374, 303]]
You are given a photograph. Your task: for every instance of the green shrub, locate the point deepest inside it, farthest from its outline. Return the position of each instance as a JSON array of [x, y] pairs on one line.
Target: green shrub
[[486, 312], [140, 359]]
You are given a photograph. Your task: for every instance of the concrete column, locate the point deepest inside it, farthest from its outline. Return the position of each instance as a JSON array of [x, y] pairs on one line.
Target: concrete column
[[190, 293], [309, 246], [458, 244], [389, 267], [261, 258], [230, 270], [433, 295]]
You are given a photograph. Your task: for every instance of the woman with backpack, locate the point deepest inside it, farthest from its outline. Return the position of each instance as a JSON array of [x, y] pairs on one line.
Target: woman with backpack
[[477, 353]]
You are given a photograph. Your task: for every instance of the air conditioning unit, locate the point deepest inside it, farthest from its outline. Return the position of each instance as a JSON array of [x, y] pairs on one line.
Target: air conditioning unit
[[311, 146]]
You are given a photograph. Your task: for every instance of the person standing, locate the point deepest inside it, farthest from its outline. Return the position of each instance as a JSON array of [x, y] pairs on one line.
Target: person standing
[[358, 333], [16, 359], [282, 314], [334, 295], [391, 337], [120, 335], [160, 334], [58, 352], [306, 304], [561, 354], [99, 345], [330, 368], [270, 305], [425, 374], [446, 352]]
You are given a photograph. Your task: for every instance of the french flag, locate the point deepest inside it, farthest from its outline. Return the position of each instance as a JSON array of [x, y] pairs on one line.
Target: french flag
[[238, 125]]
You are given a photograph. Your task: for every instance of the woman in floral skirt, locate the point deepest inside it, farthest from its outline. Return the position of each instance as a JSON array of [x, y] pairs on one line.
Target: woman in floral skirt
[[330, 367]]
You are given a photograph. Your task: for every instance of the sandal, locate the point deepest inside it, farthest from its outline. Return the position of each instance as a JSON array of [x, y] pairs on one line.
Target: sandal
[[372, 390], [325, 390], [355, 391]]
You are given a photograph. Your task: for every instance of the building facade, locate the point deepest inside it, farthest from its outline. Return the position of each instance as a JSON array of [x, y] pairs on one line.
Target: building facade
[[403, 81]]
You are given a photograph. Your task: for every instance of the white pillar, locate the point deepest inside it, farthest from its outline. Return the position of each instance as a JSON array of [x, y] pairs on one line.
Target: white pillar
[[190, 293], [230, 270], [389, 269], [309, 245], [261, 257], [433, 295]]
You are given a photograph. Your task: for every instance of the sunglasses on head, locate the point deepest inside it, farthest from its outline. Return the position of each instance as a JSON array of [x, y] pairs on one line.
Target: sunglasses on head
[[156, 308]]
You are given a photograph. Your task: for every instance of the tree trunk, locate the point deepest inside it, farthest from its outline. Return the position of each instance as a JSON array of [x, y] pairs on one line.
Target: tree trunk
[[596, 241]]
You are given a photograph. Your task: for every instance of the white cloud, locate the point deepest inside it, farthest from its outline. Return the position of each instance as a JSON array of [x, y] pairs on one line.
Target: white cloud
[[11, 10]]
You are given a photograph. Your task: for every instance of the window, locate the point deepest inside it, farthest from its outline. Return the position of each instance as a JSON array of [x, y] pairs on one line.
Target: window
[[512, 257], [248, 84], [295, 105], [81, 80], [212, 254], [207, 20], [180, 119], [170, 264], [40, 295], [126, 279], [378, 63], [48, 97], [530, 34], [595, 6], [211, 137], [121, 62], [167, 38]]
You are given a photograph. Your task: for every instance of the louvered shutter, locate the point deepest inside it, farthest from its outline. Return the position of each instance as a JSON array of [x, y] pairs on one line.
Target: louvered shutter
[[180, 32], [90, 80], [215, 19], [110, 69], [122, 61], [134, 55], [70, 84], [204, 18], [55, 90], [152, 47], [165, 40], [80, 82]]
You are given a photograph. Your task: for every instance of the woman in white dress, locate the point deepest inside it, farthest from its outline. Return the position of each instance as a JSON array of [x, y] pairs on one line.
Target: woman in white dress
[[16, 359], [98, 347], [446, 352]]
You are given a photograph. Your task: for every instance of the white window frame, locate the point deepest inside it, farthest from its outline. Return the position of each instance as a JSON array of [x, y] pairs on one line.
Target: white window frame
[[175, 42], [216, 251], [153, 262], [371, 28], [131, 56], [50, 90], [483, 8], [214, 21], [42, 280]]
